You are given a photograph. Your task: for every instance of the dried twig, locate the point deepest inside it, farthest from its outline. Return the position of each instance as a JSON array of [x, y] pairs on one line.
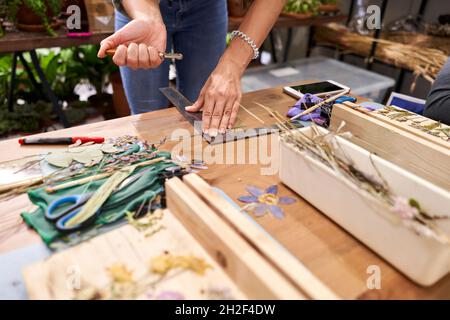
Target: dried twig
[[252, 114]]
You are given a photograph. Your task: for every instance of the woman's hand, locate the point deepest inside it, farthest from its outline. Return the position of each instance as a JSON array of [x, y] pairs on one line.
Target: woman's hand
[[137, 44], [220, 98], [221, 95]]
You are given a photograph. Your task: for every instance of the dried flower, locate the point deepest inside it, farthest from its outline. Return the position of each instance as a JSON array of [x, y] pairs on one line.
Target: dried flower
[[120, 273], [264, 201], [403, 208], [170, 295], [166, 262]]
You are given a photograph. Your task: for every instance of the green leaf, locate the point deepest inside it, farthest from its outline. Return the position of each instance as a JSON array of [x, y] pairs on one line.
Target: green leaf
[[414, 203], [51, 69]]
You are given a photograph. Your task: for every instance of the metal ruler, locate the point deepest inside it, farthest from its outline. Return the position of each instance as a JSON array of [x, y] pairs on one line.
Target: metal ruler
[[181, 102]]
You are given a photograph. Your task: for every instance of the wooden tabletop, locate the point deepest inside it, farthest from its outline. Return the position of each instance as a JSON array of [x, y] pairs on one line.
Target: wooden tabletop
[[332, 254]]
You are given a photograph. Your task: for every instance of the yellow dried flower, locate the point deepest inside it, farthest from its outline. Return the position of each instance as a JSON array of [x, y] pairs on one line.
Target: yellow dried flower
[[120, 273], [164, 263]]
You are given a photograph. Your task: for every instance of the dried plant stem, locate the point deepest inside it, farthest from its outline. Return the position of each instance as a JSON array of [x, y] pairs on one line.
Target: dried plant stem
[[78, 182], [20, 184], [97, 177], [252, 114], [280, 120], [425, 62], [100, 196]]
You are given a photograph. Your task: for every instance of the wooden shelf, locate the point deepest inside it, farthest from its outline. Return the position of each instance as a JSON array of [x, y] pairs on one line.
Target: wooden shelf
[[337, 36], [25, 41], [289, 22]]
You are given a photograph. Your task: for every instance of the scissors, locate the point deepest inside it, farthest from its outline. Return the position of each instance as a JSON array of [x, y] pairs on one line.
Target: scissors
[[78, 201]]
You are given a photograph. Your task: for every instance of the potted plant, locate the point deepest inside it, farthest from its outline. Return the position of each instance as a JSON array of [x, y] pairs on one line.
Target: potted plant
[[328, 6], [35, 15], [301, 9]]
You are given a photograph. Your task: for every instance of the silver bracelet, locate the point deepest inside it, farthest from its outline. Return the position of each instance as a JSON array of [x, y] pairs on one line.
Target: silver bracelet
[[248, 40]]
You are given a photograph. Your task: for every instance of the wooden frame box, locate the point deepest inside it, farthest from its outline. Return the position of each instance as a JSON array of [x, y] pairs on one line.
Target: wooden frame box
[[422, 154], [422, 259]]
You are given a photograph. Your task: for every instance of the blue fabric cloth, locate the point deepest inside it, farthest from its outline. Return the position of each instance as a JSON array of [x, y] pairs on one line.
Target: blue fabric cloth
[[195, 28], [408, 105]]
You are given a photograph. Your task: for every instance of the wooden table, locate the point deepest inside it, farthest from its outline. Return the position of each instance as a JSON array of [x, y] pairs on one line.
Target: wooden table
[[332, 254]]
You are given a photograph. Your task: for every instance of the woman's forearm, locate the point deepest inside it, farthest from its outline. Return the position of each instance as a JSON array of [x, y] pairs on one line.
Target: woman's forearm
[[142, 9], [257, 24]]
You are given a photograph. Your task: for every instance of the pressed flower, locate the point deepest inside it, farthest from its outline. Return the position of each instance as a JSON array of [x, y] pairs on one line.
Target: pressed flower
[[403, 208], [166, 262], [261, 202], [120, 273], [170, 295]]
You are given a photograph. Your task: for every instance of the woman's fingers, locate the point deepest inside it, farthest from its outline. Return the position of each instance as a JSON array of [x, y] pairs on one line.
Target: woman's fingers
[[208, 107], [216, 117], [226, 117], [197, 106], [137, 56], [120, 57], [155, 59], [143, 57], [133, 56], [104, 45], [234, 114], [108, 43]]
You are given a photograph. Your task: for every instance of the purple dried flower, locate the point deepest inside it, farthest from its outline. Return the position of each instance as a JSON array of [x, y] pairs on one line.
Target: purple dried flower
[[311, 116], [170, 295], [293, 112], [307, 100], [263, 201]]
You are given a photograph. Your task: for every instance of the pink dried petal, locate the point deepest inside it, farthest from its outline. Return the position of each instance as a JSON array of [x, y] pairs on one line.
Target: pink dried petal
[[402, 208], [170, 295]]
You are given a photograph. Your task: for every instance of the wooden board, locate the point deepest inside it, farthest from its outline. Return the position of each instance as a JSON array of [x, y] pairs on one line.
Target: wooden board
[[405, 125], [51, 279], [423, 157], [256, 276], [291, 267]]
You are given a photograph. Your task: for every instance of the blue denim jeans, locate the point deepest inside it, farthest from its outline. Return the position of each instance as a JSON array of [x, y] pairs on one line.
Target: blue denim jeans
[[195, 28]]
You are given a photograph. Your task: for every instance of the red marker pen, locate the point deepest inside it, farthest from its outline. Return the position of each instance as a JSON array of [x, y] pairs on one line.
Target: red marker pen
[[72, 140]]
